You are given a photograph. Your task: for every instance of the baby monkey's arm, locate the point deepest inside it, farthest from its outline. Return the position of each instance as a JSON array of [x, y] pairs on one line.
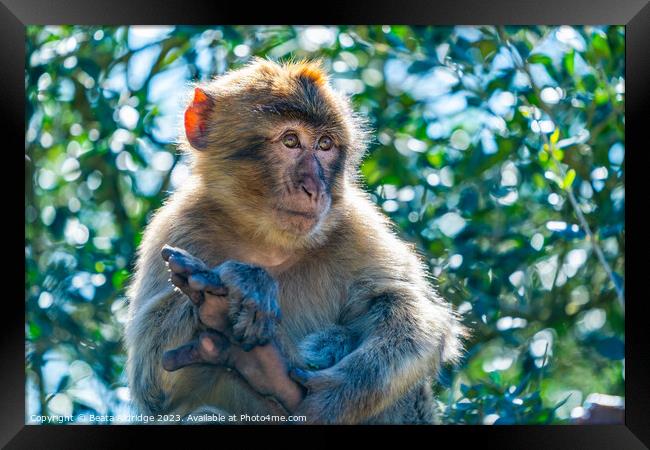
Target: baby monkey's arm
[[240, 316]]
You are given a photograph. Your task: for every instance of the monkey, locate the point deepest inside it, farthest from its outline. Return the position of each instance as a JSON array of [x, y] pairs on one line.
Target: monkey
[[275, 202]]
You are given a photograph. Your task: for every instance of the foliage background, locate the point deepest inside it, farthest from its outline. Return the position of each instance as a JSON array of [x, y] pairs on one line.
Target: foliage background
[[499, 152]]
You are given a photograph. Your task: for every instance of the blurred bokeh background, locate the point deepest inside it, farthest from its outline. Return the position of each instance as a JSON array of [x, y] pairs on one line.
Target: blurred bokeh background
[[499, 151]]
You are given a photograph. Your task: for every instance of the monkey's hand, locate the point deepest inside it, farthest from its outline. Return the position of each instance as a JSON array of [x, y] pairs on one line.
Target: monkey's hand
[[264, 368], [352, 391], [237, 299], [401, 340], [325, 348]]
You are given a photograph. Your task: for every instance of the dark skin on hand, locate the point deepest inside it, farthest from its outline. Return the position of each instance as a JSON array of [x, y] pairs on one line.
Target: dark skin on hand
[[262, 366]]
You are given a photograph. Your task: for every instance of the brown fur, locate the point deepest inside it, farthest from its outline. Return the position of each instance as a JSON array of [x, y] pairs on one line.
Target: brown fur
[[350, 270]]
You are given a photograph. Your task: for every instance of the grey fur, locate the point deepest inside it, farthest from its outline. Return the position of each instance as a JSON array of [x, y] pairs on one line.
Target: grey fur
[[253, 306], [325, 348]]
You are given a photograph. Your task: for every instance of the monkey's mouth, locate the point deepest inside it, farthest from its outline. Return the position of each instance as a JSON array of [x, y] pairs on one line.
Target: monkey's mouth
[[298, 221], [311, 215]]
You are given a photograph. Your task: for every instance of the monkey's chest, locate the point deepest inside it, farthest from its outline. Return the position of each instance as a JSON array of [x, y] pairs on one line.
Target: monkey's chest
[[307, 308]]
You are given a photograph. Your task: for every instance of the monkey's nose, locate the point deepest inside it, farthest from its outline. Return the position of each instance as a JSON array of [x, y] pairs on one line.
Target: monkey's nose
[[311, 187]]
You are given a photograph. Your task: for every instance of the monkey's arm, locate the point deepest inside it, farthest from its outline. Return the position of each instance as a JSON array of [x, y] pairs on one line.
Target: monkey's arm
[[403, 336], [260, 363]]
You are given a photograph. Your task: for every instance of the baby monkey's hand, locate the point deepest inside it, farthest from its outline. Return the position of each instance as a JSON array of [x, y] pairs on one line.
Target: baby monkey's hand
[[238, 303]]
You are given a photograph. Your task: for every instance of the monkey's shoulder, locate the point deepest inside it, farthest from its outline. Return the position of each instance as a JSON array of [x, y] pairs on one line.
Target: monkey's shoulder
[[367, 243]]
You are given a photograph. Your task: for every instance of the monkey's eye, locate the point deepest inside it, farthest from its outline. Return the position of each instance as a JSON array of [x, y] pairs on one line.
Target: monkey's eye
[[290, 140], [325, 143]]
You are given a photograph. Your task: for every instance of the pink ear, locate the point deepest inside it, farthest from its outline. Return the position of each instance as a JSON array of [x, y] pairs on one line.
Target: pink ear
[[196, 119]]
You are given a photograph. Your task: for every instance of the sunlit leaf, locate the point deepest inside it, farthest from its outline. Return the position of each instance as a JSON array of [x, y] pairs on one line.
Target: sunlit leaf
[[555, 136], [568, 179], [119, 278], [539, 58], [600, 44], [569, 62]]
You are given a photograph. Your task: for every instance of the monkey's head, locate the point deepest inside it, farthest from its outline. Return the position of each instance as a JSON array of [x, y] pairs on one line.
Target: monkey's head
[[275, 146]]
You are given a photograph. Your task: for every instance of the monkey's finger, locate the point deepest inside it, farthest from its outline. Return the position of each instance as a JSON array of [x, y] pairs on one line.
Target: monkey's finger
[[167, 251], [208, 282], [182, 356], [181, 256], [264, 333], [213, 347], [209, 348], [181, 282], [213, 313], [183, 263]]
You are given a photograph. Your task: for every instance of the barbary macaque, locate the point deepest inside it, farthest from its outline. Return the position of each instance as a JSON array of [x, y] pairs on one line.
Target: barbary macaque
[[290, 290]]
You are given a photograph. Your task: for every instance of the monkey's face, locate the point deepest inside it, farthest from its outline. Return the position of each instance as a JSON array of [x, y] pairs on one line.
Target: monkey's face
[[275, 144], [305, 161]]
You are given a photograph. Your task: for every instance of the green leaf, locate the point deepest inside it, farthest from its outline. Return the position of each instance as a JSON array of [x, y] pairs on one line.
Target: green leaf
[[543, 157], [569, 62], [601, 96], [568, 179], [495, 377], [555, 136], [488, 48], [539, 58], [600, 44], [435, 159], [33, 331], [119, 278]]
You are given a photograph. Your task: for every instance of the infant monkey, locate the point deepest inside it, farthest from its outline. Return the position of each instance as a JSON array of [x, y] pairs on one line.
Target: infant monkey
[[262, 366]]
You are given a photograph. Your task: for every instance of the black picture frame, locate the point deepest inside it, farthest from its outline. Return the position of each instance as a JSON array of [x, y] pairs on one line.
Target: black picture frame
[[634, 14]]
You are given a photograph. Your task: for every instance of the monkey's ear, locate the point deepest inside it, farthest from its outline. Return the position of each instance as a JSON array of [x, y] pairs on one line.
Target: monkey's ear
[[196, 119]]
